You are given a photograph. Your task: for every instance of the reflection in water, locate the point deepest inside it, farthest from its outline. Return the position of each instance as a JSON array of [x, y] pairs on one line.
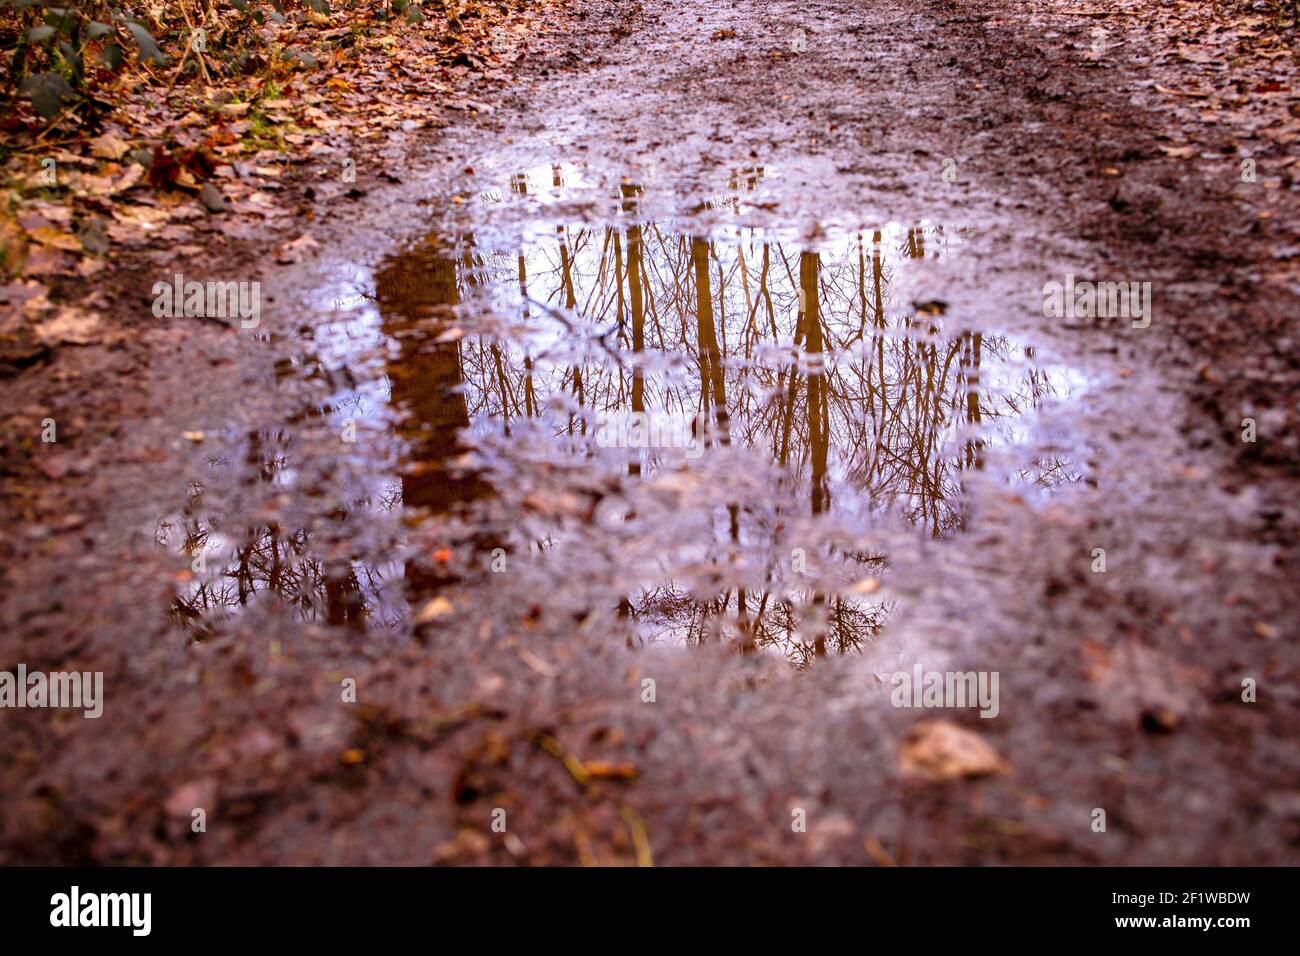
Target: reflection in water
[[425, 376], [863, 402], [249, 560]]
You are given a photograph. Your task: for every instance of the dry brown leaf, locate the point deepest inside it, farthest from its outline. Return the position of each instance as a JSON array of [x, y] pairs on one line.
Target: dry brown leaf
[[1165, 89], [296, 249], [1137, 684], [608, 770], [556, 503], [438, 607], [145, 216], [195, 795], [71, 326], [537, 664], [108, 146], [48, 261], [941, 750], [56, 238]]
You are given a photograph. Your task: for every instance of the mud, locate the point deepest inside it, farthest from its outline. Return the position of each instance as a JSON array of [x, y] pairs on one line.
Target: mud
[[874, 452]]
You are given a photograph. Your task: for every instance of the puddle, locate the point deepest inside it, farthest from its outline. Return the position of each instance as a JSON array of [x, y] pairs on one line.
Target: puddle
[[725, 428]]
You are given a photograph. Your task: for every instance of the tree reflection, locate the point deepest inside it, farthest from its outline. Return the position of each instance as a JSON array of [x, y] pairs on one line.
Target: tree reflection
[[801, 353], [808, 358]]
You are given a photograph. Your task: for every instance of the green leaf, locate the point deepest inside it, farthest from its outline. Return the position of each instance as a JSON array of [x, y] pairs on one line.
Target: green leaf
[[240, 5], [48, 92], [148, 46]]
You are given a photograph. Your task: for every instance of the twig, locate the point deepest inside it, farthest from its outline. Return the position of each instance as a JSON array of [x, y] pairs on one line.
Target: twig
[[1165, 89]]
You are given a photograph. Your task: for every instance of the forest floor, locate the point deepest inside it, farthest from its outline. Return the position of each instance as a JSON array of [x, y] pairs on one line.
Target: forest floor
[[360, 593]]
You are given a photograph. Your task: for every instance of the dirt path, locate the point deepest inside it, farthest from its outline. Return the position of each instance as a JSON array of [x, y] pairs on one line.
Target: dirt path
[[946, 508]]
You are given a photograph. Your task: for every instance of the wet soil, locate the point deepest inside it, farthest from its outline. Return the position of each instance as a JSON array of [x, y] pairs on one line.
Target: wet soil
[[874, 453]]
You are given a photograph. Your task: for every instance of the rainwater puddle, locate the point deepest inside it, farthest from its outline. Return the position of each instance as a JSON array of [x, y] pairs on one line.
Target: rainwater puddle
[[717, 431]]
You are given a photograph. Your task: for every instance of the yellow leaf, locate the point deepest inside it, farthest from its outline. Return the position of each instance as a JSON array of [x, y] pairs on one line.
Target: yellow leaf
[[50, 236], [438, 607]]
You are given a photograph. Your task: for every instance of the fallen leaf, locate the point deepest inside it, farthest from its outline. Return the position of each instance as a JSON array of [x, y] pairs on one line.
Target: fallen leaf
[[1165, 89], [55, 237], [48, 261], [878, 852], [71, 326], [108, 146], [146, 216], [438, 607], [1137, 684], [195, 795], [611, 771], [537, 664], [296, 249], [941, 750]]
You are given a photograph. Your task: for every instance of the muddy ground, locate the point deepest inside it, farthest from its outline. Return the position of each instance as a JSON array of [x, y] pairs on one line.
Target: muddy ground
[[520, 687]]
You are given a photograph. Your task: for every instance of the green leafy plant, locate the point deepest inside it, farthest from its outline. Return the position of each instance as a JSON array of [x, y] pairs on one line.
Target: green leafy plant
[[57, 50], [48, 65]]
